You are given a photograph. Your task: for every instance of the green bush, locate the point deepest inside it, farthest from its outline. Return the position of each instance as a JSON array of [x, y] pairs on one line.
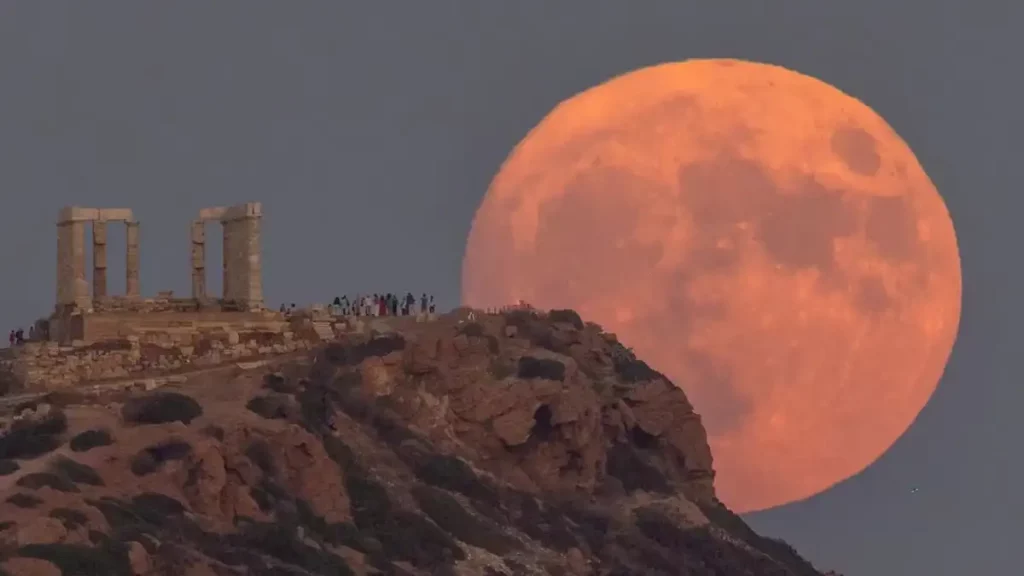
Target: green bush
[[22, 500], [530, 367], [32, 438], [161, 408], [90, 439], [71, 518], [452, 517], [76, 472], [39, 480], [566, 317]]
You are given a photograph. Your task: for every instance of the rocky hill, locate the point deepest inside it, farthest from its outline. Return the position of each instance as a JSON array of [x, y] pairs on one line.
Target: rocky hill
[[515, 443]]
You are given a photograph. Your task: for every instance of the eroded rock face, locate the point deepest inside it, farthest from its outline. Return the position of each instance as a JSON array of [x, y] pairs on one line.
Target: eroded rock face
[[511, 444], [526, 394]]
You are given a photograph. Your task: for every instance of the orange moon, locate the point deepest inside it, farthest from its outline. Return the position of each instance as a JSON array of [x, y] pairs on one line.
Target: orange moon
[[762, 238]]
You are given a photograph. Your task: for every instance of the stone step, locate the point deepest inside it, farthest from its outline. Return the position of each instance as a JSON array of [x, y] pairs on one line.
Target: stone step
[[324, 330]]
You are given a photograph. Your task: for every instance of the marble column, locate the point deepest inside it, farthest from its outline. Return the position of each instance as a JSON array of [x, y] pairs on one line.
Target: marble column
[[199, 260], [249, 230], [131, 266], [226, 289], [72, 286], [244, 273], [99, 259]]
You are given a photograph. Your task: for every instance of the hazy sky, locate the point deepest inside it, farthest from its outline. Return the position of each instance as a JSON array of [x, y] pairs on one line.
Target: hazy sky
[[370, 130]]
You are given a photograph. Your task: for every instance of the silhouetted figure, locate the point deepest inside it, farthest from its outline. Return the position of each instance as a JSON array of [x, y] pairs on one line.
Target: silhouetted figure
[[423, 304], [283, 308], [394, 305], [11, 338], [19, 336], [431, 304]]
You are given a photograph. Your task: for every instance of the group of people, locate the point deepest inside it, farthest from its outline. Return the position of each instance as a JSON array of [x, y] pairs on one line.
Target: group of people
[[382, 305], [376, 305], [17, 336]]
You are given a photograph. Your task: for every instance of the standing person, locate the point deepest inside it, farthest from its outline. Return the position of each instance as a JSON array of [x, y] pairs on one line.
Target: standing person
[[19, 336], [431, 304], [11, 338], [394, 304], [423, 303]]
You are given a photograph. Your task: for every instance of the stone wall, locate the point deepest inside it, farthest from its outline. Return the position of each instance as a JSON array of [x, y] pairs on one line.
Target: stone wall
[[126, 346], [114, 318], [49, 366], [176, 327]]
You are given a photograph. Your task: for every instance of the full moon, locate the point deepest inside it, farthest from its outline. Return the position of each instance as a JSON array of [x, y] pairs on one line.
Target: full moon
[[765, 240]]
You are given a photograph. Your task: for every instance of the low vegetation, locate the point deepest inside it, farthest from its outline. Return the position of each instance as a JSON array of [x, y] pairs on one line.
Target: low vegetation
[[272, 406], [38, 480], [85, 441], [31, 438], [69, 517], [76, 472], [22, 500], [570, 317], [161, 408], [150, 459], [530, 367], [8, 467]]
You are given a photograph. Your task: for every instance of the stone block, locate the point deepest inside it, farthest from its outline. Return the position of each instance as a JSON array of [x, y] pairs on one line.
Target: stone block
[[242, 211], [70, 214], [212, 213], [199, 232], [115, 215], [132, 260], [72, 285]]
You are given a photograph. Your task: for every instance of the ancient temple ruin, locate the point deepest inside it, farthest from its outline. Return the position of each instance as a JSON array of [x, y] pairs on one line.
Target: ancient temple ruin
[[72, 283], [242, 284], [85, 311]]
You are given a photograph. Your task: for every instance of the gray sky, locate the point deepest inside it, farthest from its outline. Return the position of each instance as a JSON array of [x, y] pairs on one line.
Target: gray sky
[[370, 131]]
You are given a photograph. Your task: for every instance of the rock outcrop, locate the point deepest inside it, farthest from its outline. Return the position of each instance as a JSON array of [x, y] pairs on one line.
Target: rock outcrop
[[516, 443]]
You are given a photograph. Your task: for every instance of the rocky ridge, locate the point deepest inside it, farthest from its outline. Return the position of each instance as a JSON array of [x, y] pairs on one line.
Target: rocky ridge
[[480, 444]]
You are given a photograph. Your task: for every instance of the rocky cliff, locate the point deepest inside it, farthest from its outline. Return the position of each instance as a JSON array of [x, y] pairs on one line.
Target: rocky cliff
[[516, 443]]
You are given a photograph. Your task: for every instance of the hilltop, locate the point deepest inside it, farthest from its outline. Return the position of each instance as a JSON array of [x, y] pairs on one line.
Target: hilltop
[[516, 443]]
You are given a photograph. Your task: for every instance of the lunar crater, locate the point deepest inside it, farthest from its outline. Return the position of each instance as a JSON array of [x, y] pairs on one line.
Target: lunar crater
[[857, 149]]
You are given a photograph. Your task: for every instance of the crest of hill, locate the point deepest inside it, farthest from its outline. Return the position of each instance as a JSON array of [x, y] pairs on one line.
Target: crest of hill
[[481, 444]]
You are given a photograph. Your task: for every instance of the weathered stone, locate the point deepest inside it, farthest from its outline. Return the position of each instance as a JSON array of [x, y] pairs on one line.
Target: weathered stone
[[131, 267], [138, 558], [42, 530], [29, 567]]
